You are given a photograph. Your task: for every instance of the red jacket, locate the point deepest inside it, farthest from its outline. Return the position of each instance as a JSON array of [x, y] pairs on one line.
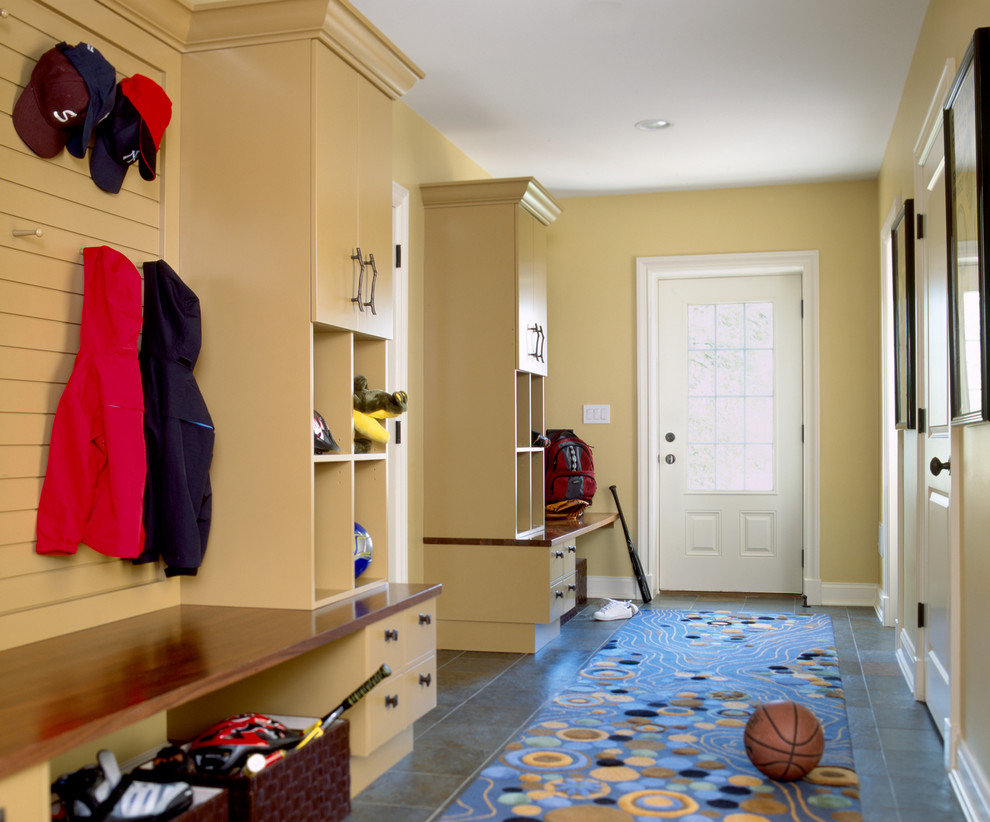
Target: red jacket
[[94, 484]]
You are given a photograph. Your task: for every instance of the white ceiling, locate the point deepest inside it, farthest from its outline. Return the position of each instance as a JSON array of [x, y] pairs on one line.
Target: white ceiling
[[758, 91]]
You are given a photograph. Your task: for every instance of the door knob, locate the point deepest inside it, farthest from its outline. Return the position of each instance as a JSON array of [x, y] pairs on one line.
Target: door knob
[[669, 459], [937, 466]]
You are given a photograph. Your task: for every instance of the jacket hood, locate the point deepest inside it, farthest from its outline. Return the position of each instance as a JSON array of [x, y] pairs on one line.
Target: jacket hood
[[173, 329], [111, 314]]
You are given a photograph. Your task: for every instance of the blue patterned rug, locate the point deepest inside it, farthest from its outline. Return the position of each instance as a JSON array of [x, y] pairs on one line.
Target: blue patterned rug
[[653, 729]]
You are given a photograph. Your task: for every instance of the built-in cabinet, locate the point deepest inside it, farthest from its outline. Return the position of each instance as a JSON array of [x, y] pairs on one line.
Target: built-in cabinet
[[486, 342], [508, 576], [282, 213]]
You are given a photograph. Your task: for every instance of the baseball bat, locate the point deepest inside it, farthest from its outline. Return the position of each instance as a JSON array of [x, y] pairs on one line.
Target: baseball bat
[[644, 588]]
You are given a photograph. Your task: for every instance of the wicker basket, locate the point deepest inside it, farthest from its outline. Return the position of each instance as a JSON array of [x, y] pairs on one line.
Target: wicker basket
[[210, 806], [312, 784]]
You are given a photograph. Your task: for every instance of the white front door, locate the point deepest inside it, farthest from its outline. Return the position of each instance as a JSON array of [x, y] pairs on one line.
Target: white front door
[[730, 425], [935, 487]]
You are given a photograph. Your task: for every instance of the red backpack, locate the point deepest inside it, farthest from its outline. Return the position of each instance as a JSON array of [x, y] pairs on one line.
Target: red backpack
[[570, 469]]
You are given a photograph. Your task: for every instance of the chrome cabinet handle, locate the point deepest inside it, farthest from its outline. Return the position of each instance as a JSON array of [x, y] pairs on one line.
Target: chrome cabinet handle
[[558, 594], [358, 298], [541, 342], [425, 619], [392, 701], [558, 554], [374, 282], [425, 679], [391, 633]]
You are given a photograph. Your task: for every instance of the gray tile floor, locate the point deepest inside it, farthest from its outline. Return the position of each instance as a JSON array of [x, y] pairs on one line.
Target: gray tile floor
[[484, 699]]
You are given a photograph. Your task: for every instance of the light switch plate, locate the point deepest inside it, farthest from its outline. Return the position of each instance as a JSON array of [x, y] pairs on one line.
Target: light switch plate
[[596, 414]]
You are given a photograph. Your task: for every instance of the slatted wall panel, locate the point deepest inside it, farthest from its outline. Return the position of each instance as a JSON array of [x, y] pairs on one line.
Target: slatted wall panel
[[41, 296]]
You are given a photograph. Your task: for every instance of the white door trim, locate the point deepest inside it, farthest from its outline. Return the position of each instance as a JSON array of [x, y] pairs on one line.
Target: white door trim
[[891, 537], [649, 271], [398, 380]]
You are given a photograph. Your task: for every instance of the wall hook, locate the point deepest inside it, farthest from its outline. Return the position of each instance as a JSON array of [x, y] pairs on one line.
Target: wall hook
[[27, 232]]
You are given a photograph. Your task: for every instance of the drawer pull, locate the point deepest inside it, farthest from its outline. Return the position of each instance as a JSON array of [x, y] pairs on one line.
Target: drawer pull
[[558, 594], [571, 587], [558, 554], [425, 619], [374, 282], [391, 633], [27, 232], [392, 701], [425, 679], [357, 298], [571, 549]]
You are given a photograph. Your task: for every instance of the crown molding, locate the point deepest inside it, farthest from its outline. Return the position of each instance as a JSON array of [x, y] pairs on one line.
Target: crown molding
[[204, 25], [523, 191]]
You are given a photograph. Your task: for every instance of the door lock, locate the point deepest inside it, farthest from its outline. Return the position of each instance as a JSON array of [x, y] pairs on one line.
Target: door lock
[[670, 459]]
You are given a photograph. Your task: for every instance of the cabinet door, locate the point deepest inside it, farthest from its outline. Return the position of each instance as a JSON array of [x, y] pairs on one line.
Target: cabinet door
[[374, 169], [531, 293], [336, 191], [352, 199]]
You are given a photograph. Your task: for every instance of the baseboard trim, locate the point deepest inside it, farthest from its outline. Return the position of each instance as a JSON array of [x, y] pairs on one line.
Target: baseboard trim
[[856, 594], [971, 785], [907, 658], [853, 594], [614, 587]]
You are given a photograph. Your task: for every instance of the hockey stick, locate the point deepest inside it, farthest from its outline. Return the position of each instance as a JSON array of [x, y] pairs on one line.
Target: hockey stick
[[258, 761], [644, 588]]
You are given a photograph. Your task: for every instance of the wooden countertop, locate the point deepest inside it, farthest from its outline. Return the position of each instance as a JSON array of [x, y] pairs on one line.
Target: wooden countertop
[[554, 533], [62, 692]]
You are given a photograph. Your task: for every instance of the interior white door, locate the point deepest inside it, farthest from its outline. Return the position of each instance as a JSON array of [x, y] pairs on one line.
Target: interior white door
[[730, 416], [935, 485]]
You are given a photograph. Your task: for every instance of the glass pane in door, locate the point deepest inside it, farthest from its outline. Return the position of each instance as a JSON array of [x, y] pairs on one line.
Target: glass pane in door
[[730, 408]]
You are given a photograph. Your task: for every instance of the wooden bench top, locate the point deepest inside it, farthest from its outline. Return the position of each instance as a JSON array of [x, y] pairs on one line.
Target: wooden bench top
[[62, 692]]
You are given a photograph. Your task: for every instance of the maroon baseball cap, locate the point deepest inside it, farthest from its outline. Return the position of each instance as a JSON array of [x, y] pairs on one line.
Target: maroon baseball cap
[[53, 104]]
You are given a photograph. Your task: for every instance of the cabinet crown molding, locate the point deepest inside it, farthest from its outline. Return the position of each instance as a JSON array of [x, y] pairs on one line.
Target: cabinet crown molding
[[525, 191], [203, 25]]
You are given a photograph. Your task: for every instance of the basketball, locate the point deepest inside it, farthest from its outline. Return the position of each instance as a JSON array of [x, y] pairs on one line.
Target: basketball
[[784, 740]]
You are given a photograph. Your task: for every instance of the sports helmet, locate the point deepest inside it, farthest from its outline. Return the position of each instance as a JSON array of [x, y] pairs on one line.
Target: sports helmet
[[323, 440], [224, 747]]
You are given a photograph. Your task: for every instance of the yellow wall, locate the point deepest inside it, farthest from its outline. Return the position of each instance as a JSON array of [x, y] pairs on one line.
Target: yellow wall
[[946, 33], [593, 247], [420, 154], [592, 337]]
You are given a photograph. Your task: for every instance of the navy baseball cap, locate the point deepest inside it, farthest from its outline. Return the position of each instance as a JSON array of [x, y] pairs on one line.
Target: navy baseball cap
[[52, 105], [101, 80], [131, 133]]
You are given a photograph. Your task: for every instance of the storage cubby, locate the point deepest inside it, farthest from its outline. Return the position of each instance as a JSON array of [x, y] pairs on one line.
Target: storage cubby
[[333, 494]]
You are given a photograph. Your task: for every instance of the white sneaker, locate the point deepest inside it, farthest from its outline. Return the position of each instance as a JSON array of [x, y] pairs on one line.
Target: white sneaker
[[615, 609]]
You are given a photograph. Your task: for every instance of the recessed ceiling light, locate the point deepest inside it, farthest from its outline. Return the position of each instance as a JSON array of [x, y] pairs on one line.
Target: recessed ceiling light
[[653, 125]]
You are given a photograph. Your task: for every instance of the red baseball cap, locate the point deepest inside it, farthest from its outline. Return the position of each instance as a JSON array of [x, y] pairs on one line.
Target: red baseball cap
[[52, 106], [155, 108]]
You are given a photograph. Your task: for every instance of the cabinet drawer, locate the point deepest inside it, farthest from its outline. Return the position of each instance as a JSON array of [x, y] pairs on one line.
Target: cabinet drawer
[[386, 644], [421, 687], [562, 561], [421, 630], [563, 596], [379, 716]]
